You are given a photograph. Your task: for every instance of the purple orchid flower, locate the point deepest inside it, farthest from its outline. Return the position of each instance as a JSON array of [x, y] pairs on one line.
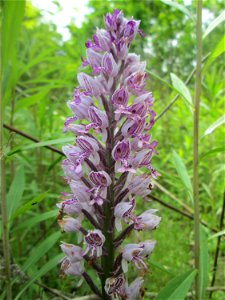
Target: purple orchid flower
[[123, 211], [69, 224], [71, 268], [75, 253], [135, 253], [112, 116], [94, 241]]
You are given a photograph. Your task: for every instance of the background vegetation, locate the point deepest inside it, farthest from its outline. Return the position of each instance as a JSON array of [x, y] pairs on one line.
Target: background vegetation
[[38, 77]]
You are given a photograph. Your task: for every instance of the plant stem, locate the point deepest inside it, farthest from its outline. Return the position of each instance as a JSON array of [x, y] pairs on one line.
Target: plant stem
[[217, 247], [108, 231], [5, 233], [29, 137], [181, 212], [195, 147]]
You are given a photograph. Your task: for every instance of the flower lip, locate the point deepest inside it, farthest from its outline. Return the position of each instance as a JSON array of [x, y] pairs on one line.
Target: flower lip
[[94, 241], [147, 220], [134, 289], [75, 253], [94, 238], [121, 150], [70, 268], [70, 206], [87, 144], [115, 285], [100, 178], [69, 224], [124, 209], [120, 97]]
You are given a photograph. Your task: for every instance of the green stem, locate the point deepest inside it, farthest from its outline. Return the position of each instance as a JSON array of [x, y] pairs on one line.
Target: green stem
[[5, 233], [108, 260], [195, 148]]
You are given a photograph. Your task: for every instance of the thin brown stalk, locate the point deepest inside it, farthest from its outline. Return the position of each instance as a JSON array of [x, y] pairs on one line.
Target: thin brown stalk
[[31, 138], [168, 193], [183, 213], [217, 247]]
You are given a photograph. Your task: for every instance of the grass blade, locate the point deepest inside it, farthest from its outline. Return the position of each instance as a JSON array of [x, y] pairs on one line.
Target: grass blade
[[213, 151], [216, 124], [13, 12], [40, 144], [182, 89], [29, 205], [159, 266], [45, 269], [40, 250], [222, 232], [16, 190], [178, 287], [37, 219], [178, 6], [214, 24], [183, 173], [218, 50]]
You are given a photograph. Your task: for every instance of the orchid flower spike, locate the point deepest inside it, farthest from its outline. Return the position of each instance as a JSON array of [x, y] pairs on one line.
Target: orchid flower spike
[[109, 167]]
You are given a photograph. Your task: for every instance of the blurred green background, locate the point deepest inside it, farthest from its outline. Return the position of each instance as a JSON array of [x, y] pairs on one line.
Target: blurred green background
[[41, 50]]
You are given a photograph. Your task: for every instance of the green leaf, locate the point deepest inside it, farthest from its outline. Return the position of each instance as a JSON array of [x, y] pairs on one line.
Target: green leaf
[[37, 219], [29, 205], [159, 266], [47, 143], [218, 50], [216, 124], [182, 89], [204, 262], [178, 287], [178, 86], [214, 24], [45, 269], [54, 163], [16, 190], [13, 12], [161, 79], [213, 151], [183, 173], [40, 250], [222, 232], [178, 6], [41, 144], [31, 100]]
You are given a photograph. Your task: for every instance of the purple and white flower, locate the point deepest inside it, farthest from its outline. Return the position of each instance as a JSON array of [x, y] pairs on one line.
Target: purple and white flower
[[75, 253], [116, 286], [147, 220], [134, 289], [69, 224], [70, 206], [112, 115], [135, 253], [94, 241], [71, 268], [123, 211]]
